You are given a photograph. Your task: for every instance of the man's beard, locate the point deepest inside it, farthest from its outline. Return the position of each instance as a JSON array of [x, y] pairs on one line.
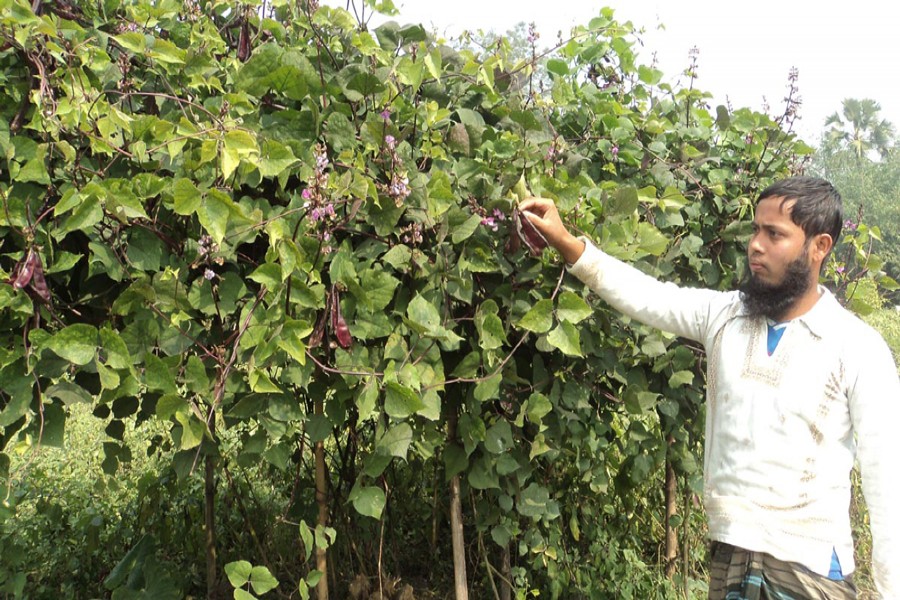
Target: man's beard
[[774, 300]]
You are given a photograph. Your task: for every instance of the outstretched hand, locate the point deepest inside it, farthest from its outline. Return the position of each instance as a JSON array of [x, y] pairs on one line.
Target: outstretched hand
[[542, 213]]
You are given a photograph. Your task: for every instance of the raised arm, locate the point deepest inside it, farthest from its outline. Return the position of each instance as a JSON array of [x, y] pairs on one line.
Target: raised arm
[[666, 306]]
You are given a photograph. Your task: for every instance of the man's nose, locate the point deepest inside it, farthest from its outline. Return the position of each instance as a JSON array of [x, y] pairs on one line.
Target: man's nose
[[754, 247]]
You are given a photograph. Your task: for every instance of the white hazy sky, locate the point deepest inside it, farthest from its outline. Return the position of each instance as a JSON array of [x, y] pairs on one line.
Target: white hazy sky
[[746, 49]]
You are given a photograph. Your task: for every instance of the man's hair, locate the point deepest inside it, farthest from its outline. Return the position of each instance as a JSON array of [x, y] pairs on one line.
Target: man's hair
[[817, 205]]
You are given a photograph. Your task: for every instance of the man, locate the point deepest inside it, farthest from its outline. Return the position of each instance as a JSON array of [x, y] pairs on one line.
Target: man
[[797, 387]]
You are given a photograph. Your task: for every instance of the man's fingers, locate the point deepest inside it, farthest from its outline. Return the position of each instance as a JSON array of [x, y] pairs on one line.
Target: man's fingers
[[535, 201], [536, 206]]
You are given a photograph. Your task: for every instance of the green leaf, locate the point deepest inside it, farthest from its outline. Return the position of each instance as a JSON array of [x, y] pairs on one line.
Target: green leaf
[[499, 438], [343, 268], [422, 312], [400, 401], [157, 375], [425, 318], [385, 217], [214, 213], [240, 594], [166, 52], [291, 339], [539, 319], [533, 501], [275, 159], [368, 501], [271, 68], [64, 262], [537, 407], [113, 348], [489, 389], [261, 383], [66, 391], [306, 535], [375, 464], [286, 408], [376, 289], [639, 402], [398, 257], [268, 274], [526, 119], [482, 476], [651, 240], [501, 534], [572, 308], [193, 430], [558, 67], [410, 73], [148, 185], [86, 215], [366, 400], [170, 404], [133, 557], [649, 76], [465, 231], [109, 379], [653, 346], [122, 203], [507, 464], [468, 367], [34, 170], [566, 338], [441, 196], [132, 40], [237, 145], [71, 199], [432, 408], [262, 581], [18, 387], [433, 62], [238, 573], [455, 461], [75, 343], [54, 426], [241, 142], [680, 378], [624, 201], [490, 330], [395, 441], [186, 196], [145, 250]]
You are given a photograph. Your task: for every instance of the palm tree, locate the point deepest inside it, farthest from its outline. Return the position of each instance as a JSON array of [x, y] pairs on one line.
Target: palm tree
[[860, 130]]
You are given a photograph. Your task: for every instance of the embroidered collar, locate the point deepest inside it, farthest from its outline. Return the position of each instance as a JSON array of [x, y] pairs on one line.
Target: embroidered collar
[[818, 319]]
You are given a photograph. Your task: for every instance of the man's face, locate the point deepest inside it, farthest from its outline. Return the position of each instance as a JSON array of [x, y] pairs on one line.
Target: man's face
[[780, 267], [776, 242]]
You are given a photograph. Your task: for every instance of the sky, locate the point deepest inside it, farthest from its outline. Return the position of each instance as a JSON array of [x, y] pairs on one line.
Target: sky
[[746, 49]]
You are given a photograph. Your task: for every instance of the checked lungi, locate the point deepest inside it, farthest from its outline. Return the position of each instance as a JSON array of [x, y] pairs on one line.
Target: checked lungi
[[738, 574]]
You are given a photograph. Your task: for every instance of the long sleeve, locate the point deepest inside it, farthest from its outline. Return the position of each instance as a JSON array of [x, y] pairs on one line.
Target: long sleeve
[[875, 413], [683, 311]]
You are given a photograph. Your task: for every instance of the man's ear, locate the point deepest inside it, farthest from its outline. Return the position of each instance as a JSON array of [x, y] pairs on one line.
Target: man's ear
[[821, 246]]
